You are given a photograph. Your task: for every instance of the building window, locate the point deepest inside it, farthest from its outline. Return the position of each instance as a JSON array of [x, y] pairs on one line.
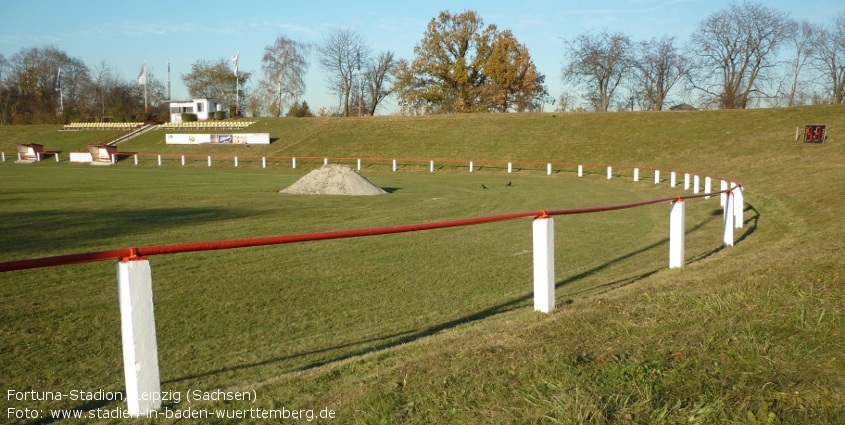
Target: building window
[[199, 107]]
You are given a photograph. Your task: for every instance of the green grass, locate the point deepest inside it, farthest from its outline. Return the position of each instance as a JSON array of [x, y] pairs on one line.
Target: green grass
[[438, 326]]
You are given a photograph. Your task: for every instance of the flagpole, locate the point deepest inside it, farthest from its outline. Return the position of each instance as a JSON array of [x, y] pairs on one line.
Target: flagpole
[[61, 91], [237, 84], [360, 90], [144, 75]]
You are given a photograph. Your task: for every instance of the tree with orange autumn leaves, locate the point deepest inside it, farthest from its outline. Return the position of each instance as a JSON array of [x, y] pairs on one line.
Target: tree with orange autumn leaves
[[462, 66]]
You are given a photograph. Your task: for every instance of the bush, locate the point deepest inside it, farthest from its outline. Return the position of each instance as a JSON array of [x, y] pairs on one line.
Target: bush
[[188, 117], [219, 115]]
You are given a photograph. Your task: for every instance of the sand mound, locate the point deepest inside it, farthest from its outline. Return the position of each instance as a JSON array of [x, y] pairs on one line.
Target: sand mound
[[333, 179]]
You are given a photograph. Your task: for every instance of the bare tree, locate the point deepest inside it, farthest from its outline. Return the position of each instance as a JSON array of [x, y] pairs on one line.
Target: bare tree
[[829, 55], [284, 64], [737, 49], [103, 81], [802, 37], [5, 92], [340, 55], [600, 62], [378, 80], [659, 66], [34, 72]]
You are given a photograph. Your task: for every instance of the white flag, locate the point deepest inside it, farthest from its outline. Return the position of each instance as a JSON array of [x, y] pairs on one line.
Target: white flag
[[235, 60], [142, 79], [59, 80]]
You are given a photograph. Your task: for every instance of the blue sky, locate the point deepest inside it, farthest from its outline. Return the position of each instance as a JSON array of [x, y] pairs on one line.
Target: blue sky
[[127, 34]]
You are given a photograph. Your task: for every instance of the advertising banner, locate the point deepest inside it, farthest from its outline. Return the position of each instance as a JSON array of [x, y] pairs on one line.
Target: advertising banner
[[219, 139], [84, 157]]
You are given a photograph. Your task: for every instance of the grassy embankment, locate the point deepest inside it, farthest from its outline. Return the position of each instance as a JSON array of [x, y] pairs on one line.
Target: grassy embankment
[[437, 326]]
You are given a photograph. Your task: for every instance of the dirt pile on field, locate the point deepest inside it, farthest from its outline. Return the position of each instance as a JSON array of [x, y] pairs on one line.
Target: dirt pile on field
[[333, 179]]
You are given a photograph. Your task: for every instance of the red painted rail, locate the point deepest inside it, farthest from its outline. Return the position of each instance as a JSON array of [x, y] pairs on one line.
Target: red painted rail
[[121, 254]]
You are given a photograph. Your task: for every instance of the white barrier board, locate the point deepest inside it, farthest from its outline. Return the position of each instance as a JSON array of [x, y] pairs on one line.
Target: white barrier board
[[81, 157], [219, 139]]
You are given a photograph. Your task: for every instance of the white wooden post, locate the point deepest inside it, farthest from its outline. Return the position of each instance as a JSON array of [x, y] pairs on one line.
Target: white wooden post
[[183, 160], [4, 156], [696, 183], [294, 162], [325, 161], [263, 162], [236, 161], [209, 160], [394, 165], [729, 220], [38, 157], [708, 186], [686, 181], [510, 167], [431, 167], [57, 157], [656, 176], [673, 180], [544, 264], [723, 186], [19, 156], [137, 326], [113, 158], [636, 174], [676, 233], [470, 166], [548, 169], [359, 164], [159, 160], [580, 171], [739, 204], [609, 172], [136, 159]]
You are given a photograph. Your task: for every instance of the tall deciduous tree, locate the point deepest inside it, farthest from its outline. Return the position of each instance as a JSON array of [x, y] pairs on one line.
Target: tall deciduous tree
[[284, 65], [462, 66], [377, 78], [737, 49], [659, 67], [599, 62], [33, 78], [802, 37], [5, 92], [513, 82], [215, 79], [829, 55], [405, 88], [339, 55], [448, 63]]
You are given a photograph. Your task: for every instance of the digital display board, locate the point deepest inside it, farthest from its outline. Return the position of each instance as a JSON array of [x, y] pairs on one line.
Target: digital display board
[[814, 133]]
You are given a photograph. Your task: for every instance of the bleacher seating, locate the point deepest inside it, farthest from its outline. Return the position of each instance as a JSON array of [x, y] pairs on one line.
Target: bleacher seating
[[102, 125], [237, 125]]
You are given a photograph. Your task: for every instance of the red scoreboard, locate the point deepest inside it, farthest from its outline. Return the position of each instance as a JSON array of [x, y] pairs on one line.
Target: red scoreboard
[[814, 134]]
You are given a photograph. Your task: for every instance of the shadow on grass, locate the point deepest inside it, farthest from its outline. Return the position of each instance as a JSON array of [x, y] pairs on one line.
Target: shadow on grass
[[50, 227], [393, 340]]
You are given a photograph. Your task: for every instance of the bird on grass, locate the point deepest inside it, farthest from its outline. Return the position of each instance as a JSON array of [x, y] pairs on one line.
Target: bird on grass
[[509, 184], [483, 187]]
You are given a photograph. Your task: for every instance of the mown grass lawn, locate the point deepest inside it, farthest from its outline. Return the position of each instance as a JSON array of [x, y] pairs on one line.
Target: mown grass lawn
[[437, 326]]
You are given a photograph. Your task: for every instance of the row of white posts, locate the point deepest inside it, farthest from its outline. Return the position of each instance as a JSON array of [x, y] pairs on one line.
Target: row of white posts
[[543, 237]]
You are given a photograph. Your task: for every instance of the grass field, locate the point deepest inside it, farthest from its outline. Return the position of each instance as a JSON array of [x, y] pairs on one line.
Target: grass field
[[438, 326]]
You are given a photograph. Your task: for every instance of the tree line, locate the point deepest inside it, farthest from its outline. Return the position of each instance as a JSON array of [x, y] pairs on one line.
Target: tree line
[[745, 55]]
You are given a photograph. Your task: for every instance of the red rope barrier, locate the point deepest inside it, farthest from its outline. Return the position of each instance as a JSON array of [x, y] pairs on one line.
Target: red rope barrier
[[120, 254]]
